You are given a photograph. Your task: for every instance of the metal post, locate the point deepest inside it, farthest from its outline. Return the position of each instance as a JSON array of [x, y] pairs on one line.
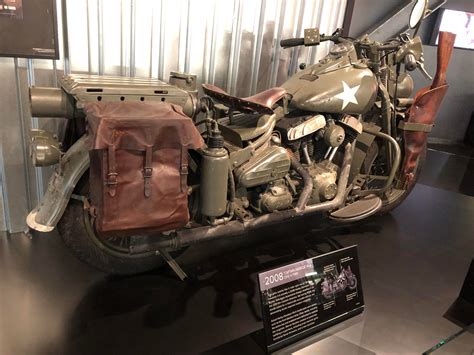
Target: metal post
[[89, 50], [150, 72], [161, 54], [211, 74], [30, 74], [235, 48], [132, 37], [122, 59], [66, 64], [317, 15], [296, 50], [100, 35], [276, 47], [55, 73], [30, 77], [341, 12], [4, 193], [187, 53], [333, 19], [258, 49], [180, 39], [205, 59], [24, 140]]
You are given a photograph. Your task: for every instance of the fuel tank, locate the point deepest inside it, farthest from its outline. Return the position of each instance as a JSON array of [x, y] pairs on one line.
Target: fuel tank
[[339, 83]]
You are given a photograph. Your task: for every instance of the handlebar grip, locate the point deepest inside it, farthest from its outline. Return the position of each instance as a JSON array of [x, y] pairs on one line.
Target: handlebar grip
[[291, 42], [410, 62]]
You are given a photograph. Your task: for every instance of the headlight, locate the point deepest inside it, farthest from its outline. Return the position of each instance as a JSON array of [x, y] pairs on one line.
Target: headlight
[[44, 148]]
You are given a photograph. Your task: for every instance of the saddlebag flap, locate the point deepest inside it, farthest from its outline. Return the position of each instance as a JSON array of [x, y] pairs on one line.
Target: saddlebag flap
[[139, 166]]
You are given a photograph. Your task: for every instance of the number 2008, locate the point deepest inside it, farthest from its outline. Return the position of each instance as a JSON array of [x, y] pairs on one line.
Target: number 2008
[[273, 278]]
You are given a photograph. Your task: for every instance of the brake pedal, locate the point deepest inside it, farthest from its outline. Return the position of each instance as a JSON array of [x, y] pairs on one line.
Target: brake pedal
[[358, 210]]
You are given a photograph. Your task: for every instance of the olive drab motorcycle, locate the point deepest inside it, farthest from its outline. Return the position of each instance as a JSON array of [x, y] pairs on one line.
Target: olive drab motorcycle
[[149, 168]]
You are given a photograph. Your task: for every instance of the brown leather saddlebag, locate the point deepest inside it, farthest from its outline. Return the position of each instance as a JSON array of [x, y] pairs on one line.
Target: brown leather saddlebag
[[139, 166]]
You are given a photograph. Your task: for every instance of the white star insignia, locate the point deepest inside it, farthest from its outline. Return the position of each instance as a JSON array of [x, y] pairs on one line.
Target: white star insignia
[[347, 95]]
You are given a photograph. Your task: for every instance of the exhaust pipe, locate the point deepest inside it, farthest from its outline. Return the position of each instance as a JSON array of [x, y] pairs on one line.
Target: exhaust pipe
[[188, 237]]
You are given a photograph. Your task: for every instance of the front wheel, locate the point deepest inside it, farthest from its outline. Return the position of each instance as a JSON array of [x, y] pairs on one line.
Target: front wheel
[[107, 254]]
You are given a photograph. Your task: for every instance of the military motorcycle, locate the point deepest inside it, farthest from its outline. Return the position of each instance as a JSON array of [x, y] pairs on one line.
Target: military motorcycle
[[343, 137], [333, 284]]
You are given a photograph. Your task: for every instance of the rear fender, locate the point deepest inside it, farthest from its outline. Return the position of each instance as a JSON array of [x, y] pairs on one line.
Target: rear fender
[[60, 187]]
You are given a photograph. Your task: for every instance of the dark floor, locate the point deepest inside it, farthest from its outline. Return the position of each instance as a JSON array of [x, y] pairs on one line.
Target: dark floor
[[450, 168], [413, 263], [461, 150]]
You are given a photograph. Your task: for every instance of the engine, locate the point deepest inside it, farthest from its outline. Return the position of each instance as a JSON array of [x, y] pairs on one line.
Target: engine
[[270, 165], [313, 139], [276, 196]]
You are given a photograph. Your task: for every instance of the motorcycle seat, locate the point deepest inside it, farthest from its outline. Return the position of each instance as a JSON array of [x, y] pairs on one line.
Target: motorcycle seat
[[260, 103]]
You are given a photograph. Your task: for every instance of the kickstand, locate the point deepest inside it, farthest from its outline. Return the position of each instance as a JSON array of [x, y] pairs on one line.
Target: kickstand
[[173, 264]]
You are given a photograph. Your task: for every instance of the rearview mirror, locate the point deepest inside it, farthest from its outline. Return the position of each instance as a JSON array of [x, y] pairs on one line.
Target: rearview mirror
[[417, 14]]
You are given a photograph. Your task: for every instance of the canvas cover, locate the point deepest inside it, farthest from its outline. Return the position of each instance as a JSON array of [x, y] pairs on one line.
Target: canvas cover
[[139, 165]]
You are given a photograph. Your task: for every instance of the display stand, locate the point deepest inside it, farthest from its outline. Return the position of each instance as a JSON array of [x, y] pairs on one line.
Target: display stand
[[308, 296], [254, 343]]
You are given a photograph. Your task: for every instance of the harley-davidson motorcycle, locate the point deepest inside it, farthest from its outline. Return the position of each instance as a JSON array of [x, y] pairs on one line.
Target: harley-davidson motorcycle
[[343, 137], [332, 285], [335, 284]]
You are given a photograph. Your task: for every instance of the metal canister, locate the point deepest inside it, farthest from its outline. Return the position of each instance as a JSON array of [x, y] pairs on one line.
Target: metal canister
[[214, 175]]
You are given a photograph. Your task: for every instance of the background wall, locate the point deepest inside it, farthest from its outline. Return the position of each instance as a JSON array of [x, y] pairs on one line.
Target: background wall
[[458, 105], [230, 43], [366, 13]]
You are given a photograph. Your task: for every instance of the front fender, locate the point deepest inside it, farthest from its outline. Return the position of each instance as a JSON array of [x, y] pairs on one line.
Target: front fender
[[423, 112], [60, 187]]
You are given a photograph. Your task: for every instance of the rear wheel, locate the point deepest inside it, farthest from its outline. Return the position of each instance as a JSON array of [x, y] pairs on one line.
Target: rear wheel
[[109, 254]]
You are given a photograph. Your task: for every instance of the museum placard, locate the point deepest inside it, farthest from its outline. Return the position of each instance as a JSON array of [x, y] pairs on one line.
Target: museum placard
[[308, 296]]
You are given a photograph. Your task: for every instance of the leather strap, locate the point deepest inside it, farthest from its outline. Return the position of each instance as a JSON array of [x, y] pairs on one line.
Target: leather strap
[[183, 170], [112, 173], [415, 126], [148, 170]]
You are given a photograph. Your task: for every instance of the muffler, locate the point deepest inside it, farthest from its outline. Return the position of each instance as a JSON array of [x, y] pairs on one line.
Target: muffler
[[50, 102]]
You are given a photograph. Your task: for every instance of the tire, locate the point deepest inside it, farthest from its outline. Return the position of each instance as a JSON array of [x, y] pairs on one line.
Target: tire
[[86, 245]]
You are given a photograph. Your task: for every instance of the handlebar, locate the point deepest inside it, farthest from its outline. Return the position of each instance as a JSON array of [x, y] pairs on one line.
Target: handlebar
[[403, 48], [311, 41], [291, 42]]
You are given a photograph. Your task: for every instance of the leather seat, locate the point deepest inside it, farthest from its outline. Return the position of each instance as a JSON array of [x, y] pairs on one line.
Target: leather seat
[[261, 102]]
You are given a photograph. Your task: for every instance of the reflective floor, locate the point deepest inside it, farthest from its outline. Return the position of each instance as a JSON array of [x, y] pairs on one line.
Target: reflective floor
[[451, 170], [413, 263]]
